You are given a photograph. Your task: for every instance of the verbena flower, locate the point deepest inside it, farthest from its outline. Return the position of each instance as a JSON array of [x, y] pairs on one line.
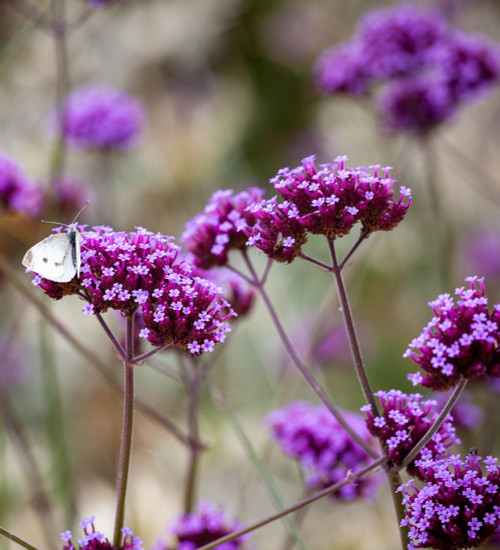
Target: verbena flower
[[127, 271], [404, 421], [211, 235], [207, 524], [329, 201], [325, 451], [415, 104], [425, 68], [99, 3], [460, 341], [18, 192], [97, 117], [95, 540], [459, 507]]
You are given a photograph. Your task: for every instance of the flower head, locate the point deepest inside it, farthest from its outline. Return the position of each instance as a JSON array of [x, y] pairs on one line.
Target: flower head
[[141, 270], [460, 341], [324, 449], [404, 421], [459, 507], [329, 201], [207, 524], [18, 192], [211, 235], [96, 117], [95, 540], [425, 68]]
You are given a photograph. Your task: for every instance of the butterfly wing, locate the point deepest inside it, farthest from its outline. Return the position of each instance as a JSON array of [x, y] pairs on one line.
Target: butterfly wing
[[52, 259]]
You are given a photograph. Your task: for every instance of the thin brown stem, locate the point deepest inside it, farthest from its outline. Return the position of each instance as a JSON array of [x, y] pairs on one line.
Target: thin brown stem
[[351, 331]]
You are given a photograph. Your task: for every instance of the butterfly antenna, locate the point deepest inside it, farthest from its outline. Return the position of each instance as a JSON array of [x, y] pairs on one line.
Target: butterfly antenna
[[74, 219]]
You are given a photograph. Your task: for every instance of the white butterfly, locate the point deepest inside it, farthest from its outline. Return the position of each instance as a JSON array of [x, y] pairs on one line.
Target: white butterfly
[[56, 258]]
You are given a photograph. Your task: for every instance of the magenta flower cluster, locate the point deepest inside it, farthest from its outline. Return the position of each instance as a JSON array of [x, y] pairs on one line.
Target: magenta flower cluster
[[203, 526], [459, 507], [329, 201], [404, 421], [128, 271], [18, 193], [425, 68], [211, 235], [324, 449], [97, 117], [460, 341], [95, 540]]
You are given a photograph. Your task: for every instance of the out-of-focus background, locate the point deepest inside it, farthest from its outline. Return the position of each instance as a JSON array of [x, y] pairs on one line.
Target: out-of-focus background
[[229, 99]]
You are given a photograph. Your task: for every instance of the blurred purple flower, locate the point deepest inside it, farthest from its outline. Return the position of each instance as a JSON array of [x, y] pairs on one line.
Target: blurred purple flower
[[17, 191], [479, 252], [97, 117], [415, 105], [459, 507], [325, 451], [207, 524], [460, 341], [426, 68], [404, 421], [95, 540], [100, 3]]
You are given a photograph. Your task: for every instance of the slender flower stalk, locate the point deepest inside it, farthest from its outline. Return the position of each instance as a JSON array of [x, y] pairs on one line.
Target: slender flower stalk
[[16, 539], [193, 380], [435, 426], [126, 445], [350, 478], [313, 383], [351, 330]]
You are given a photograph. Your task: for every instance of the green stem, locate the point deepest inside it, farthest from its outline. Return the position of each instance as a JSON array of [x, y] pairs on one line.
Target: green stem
[[17, 540], [55, 424], [193, 384], [126, 445], [27, 460]]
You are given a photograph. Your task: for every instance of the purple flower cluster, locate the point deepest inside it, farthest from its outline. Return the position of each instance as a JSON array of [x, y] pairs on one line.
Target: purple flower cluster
[[99, 3], [326, 201], [426, 68], [460, 341], [18, 192], [207, 524], [97, 117], [95, 540], [128, 271], [211, 235], [404, 421], [459, 507], [325, 450]]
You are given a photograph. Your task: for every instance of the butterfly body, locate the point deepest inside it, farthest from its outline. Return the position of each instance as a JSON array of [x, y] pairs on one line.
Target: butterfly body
[[56, 258]]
